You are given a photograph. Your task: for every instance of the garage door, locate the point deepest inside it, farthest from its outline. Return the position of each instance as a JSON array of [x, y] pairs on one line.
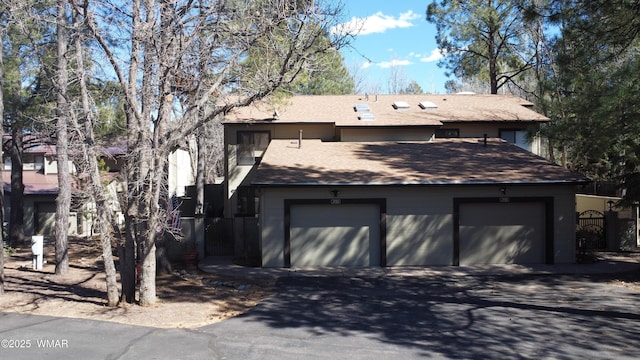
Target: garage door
[[335, 235], [502, 233]]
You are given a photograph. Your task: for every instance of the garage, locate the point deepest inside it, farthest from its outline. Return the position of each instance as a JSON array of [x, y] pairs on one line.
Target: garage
[[338, 234], [503, 232]]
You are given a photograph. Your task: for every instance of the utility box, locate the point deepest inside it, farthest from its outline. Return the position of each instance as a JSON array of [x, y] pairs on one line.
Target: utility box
[[37, 248]]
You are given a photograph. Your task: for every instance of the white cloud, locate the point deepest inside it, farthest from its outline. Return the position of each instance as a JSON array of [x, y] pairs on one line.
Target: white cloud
[[392, 63], [366, 65], [434, 56], [376, 23]]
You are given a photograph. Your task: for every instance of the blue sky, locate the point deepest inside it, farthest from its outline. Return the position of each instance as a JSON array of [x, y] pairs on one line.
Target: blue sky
[[392, 33]]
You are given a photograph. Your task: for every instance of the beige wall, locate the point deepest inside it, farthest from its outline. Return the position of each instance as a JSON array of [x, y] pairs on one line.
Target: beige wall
[[363, 134], [238, 175], [594, 202], [419, 221], [493, 131]]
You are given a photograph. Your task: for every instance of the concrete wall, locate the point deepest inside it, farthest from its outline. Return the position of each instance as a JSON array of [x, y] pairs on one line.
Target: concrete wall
[[419, 220]]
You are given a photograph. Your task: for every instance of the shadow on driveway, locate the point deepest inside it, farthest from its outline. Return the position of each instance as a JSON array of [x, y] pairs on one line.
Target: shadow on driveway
[[499, 317]]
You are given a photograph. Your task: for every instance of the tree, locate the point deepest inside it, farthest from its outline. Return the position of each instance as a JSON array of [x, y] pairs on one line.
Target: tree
[[413, 89], [84, 125], [481, 38], [397, 80], [63, 201], [330, 77], [2, 32], [183, 67], [598, 75], [28, 93]]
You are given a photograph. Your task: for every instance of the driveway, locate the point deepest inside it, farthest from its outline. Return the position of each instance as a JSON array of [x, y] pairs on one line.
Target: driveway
[[445, 316], [442, 316]]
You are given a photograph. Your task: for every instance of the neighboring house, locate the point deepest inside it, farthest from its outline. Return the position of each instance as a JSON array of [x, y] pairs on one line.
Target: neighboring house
[[40, 178], [397, 180]]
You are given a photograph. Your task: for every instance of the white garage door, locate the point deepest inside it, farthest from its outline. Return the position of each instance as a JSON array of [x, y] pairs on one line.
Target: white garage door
[[335, 235], [502, 233]]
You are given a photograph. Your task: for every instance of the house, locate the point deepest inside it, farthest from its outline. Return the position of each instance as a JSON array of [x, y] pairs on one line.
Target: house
[[393, 180], [40, 178]]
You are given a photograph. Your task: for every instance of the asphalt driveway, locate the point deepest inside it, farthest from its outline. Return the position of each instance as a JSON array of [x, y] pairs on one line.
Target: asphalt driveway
[[444, 316], [454, 317]]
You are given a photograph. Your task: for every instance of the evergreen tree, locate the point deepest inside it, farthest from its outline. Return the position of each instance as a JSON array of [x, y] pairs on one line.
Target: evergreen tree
[[482, 39]]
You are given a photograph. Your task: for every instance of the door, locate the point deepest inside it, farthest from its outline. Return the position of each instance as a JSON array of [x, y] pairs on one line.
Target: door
[[502, 233], [335, 235]]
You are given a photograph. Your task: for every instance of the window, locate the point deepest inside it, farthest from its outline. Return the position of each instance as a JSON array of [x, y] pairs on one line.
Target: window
[[401, 105], [517, 137], [427, 105], [251, 146], [361, 108], [447, 133], [7, 163], [366, 117]]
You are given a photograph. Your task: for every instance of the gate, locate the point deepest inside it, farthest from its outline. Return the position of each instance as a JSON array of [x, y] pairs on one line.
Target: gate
[[219, 237], [590, 232]]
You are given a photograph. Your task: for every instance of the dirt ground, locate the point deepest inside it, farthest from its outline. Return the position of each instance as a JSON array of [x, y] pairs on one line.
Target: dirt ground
[[186, 299]]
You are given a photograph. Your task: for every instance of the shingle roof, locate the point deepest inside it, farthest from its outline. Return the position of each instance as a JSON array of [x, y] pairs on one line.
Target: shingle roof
[[447, 161], [339, 109]]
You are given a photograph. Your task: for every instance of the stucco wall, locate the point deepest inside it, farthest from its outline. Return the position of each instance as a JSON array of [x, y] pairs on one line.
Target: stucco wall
[[419, 220], [387, 134], [238, 175]]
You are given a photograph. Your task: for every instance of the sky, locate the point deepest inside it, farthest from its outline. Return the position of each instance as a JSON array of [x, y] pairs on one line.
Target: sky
[[392, 33]]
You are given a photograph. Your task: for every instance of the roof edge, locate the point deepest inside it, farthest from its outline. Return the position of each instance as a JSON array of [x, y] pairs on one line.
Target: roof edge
[[540, 182]]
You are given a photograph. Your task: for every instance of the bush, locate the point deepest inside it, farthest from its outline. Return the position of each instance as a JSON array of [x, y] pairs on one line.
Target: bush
[[8, 250]]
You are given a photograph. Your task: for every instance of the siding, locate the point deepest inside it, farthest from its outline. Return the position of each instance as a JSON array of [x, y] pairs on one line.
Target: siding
[[419, 220]]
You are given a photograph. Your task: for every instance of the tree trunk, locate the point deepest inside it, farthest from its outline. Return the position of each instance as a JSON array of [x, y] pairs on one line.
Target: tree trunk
[[126, 254], [16, 217], [63, 201], [493, 71], [1, 165], [104, 216]]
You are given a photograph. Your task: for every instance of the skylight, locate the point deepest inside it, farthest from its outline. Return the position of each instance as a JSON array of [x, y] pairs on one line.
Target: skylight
[[366, 116], [401, 105], [362, 108], [428, 105]]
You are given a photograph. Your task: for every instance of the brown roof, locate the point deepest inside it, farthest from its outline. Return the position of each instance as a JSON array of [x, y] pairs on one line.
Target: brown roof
[[446, 161], [339, 109]]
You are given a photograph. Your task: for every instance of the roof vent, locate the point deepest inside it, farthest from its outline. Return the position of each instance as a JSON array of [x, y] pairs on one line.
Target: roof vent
[[428, 105], [401, 105], [366, 116], [361, 108]]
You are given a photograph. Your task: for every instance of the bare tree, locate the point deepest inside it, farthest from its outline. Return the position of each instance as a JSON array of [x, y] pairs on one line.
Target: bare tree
[[181, 56], [397, 80], [83, 128]]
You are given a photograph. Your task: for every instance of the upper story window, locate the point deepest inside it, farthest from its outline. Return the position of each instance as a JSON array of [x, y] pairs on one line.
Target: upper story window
[[447, 133], [516, 136], [29, 162], [251, 146]]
